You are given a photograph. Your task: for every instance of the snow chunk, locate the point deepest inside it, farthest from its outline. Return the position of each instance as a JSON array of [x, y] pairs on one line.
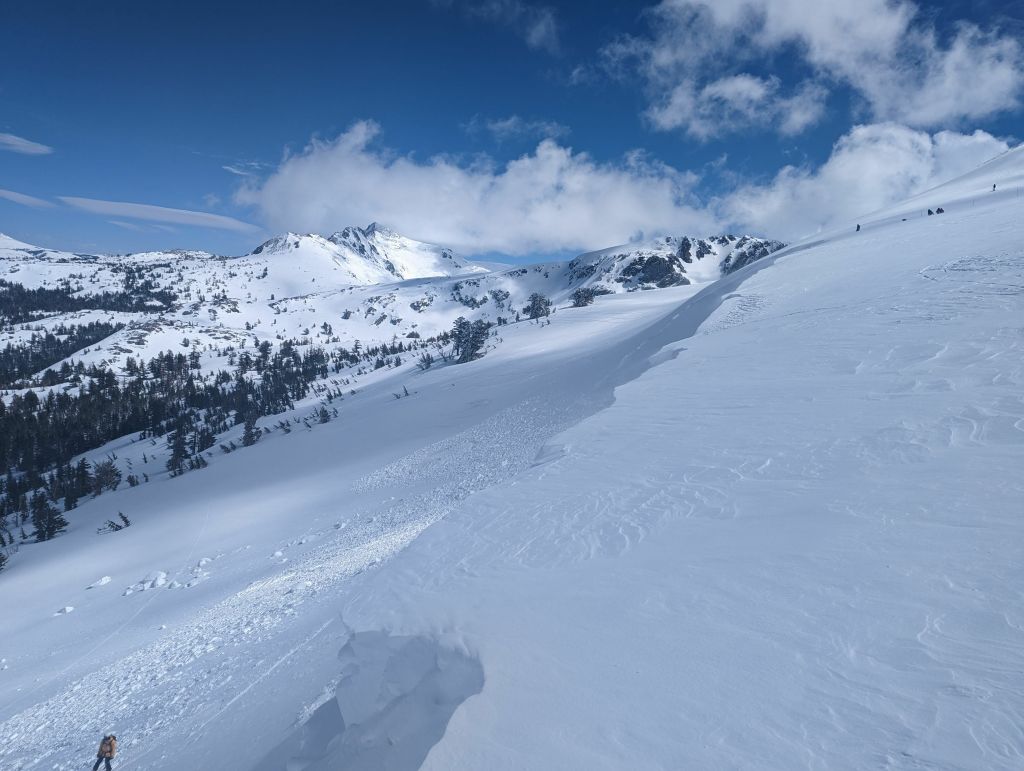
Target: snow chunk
[[153, 580], [391, 707]]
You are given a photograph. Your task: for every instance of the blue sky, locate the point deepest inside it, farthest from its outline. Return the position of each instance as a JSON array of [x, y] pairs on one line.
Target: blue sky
[[495, 126]]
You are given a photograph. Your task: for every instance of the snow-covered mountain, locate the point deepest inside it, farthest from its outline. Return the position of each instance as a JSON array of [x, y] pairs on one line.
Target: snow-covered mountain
[[767, 521], [366, 284], [370, 255], [670, 261]]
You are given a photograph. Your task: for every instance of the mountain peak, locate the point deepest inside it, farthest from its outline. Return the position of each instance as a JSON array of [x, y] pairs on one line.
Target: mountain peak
[[376, 227], [368, 255]]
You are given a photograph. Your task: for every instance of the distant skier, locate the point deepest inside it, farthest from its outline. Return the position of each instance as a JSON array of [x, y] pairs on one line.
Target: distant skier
[[993, 187], [930, 212], [858, 228], [940, 210], [108, 748]]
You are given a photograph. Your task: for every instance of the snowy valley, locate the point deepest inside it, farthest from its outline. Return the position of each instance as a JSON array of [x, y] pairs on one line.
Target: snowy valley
[[726, 503]]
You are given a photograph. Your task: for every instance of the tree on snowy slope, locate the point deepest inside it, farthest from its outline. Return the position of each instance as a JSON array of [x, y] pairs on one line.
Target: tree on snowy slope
[[105, 476], [583, 296], [468, 339], [46, 518], [538, 306], [250, 434], [176, 463]]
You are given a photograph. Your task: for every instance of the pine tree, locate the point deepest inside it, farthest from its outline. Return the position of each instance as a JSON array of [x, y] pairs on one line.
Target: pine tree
[[250, 434], [469, 338], [537, 306], [583, 296], [46, 519], [179, 451], [106, 476]]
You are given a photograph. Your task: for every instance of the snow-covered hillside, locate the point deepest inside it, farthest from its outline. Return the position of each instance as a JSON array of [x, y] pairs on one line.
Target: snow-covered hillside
[[770, 521], [369, 255], [367, 284]]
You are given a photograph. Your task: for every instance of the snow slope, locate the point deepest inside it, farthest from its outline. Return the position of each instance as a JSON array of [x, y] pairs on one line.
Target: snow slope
[[772, 521]]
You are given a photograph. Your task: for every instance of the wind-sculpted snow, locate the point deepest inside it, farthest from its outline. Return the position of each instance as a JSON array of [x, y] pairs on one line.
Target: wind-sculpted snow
[[392, 704], [771, 521], [793, 543]]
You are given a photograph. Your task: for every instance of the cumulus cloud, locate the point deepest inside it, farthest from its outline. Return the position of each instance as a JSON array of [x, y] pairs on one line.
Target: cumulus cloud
[[870, 167], [25, 200], [23, 146], [516, 127], [547, 200], [736, 102], [141, 211], [554, 199], [707, 64]]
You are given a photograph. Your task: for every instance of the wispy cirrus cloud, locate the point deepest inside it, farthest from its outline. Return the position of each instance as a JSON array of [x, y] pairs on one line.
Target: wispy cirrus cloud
[[151, 213], [536, 24], [25, 200], [22, 146], [133, 226], [244, 168], [147, 228], [516, 127]]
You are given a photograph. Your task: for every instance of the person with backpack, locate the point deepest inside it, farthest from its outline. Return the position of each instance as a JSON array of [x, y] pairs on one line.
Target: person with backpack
[[108, 748]]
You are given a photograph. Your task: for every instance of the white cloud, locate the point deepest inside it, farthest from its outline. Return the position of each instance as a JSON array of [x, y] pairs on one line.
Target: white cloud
[[555, 199], [870, 168], [516, 127], [735, 102], [134, 226], [547, 200], [128, 225], [891, 56], [25, 200], [141, 211], [23, 146]]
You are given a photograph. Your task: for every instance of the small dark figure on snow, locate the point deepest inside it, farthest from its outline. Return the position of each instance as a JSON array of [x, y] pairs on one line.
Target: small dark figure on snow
[[108, 748], [930, 212], [940, 210], [993, 187], [858, 228]]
